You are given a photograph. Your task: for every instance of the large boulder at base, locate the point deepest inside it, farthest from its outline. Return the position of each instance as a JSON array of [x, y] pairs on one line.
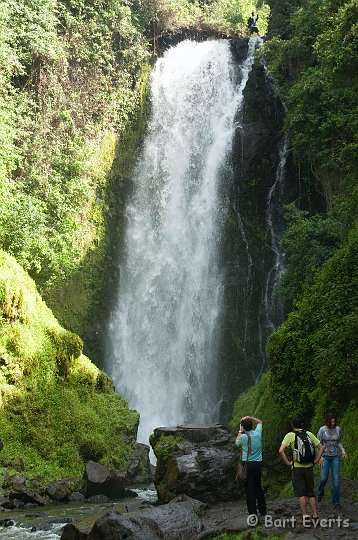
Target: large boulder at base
[[199, 461], [102, 480], [179, 519]]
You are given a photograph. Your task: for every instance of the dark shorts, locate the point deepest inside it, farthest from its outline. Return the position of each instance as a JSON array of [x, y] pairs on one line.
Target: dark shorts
[[303, 483], [254, 29]]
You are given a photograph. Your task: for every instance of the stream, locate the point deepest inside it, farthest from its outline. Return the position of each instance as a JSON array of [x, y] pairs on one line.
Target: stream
[[47, 523]]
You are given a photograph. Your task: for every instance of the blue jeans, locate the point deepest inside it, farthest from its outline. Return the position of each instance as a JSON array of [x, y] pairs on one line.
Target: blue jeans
[[330, 462]]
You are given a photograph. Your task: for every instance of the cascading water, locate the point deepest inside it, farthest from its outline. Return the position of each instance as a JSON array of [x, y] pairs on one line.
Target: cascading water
[[164, 331], [273, 304]]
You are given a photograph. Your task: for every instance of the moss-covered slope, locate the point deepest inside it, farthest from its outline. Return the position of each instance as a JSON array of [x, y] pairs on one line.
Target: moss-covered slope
[[56, 406]]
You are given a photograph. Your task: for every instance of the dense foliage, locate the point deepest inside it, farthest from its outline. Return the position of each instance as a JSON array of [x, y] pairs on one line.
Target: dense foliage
[[73, 78], [313, 355], [66, 86]]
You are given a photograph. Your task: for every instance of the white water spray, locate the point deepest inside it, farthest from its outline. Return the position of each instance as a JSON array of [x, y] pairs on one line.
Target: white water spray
[[164, 331]]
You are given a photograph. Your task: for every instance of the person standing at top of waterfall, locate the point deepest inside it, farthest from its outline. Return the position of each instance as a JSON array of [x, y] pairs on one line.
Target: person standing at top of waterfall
[[252, 23], [330, 436], [253, 457]]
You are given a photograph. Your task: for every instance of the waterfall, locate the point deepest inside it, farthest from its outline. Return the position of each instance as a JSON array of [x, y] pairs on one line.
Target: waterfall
[[272, 303], [274, 221], [164, 331]]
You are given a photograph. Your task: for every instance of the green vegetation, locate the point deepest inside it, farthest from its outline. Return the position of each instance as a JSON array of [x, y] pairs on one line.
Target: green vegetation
[[312, 356], [74, 82], [164, 444], [55, 404]]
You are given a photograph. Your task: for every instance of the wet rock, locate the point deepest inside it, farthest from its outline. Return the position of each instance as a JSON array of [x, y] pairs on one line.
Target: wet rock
[[31, 505], [7, 522], [102, 480], [139, 470], [239, 48], [13, 504], [178, 519], [26, 496], [115, 526], [3, 500], [201, 464], [59, 490], [79, 530], [76, 496], [62, 520], [18, 487], [98, 499], [131, 493]]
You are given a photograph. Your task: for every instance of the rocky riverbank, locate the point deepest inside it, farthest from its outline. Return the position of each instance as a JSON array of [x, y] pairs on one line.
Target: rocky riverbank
[[98, 484], [196, 465], [185, 518]]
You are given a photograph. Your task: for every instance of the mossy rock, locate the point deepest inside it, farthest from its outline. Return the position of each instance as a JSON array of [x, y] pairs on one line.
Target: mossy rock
[[54, 402]]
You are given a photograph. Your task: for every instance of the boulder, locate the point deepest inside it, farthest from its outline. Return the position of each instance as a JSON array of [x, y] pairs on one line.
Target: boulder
[[58, 490], [115, 526], [198, 461], [79, 530], [179, 519], [76, 497], [101, 480]]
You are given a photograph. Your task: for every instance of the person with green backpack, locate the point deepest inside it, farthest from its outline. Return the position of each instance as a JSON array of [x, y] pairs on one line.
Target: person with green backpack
[[306, 452]]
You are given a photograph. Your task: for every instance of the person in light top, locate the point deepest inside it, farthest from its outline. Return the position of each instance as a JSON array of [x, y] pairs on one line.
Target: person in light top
[[254, 491], [330, 437]]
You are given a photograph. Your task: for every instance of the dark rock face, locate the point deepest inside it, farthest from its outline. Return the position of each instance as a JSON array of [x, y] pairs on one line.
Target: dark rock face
[[246, 251], [239, 48], [101, 480], [202, 465], [139, 471]]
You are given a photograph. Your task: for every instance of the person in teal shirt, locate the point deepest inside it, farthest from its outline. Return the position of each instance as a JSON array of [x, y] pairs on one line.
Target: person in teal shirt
[[249, 440]]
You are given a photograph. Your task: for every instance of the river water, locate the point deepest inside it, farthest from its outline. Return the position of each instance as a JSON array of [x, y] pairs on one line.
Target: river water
[[47, 523]]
